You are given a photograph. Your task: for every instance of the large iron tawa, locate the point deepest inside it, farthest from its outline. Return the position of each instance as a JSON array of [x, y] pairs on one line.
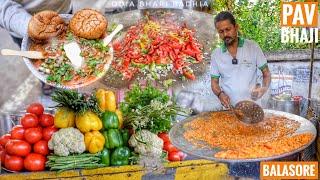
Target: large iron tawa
[[178, 140]]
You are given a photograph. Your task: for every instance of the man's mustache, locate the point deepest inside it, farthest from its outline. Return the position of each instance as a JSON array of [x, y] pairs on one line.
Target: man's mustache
[[227, 38]]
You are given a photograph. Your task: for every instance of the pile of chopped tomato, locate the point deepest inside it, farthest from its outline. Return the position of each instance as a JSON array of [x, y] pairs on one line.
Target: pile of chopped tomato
[[160, 43]]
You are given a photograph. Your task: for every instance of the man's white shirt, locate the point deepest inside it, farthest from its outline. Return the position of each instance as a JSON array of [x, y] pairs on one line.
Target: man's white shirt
[[238, 80]]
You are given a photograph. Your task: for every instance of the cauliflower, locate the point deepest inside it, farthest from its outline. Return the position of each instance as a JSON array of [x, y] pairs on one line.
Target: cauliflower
[[66, 141], [145, 142]]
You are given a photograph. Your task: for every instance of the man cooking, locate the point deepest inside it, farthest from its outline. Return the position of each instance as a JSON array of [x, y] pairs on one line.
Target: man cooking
[[234, 75], [236, 64]]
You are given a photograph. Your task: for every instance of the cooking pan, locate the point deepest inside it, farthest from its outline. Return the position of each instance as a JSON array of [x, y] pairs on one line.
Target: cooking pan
[[178, 140]]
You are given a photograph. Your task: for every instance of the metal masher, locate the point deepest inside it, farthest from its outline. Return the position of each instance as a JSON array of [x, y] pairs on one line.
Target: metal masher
[[248, 112]]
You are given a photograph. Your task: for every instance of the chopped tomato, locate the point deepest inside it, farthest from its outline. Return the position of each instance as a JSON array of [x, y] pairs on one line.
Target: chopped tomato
[[167, 146], [199, 57], [174, 156], [189, 52], [154, 41], [116, 46], [176, 45], [188, 74], [172, 55], [164, 136]]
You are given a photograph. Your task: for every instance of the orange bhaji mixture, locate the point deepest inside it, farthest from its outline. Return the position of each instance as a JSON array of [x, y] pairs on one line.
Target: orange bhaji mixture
[[268, 138]]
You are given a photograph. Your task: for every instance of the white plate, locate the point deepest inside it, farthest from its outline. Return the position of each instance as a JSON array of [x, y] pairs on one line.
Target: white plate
[[43, 77]]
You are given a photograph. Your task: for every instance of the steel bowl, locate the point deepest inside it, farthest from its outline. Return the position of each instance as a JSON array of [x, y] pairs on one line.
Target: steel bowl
[[290, 106], [26, 42]]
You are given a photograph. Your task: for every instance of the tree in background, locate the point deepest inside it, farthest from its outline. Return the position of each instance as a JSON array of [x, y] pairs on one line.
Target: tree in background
[[259, 20]]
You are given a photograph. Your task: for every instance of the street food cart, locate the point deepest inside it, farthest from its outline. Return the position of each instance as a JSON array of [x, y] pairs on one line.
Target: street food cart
[[204, 160]]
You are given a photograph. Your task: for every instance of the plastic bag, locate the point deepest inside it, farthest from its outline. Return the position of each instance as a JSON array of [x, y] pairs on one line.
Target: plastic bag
[[281, 85]]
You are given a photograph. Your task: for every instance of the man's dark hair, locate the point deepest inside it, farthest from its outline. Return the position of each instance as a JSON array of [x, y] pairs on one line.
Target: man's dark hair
[[225, 15]]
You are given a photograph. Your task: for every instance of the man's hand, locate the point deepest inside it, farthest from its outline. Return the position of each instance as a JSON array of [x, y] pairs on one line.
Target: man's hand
[[258, 92], [225, 100], [223, 97]]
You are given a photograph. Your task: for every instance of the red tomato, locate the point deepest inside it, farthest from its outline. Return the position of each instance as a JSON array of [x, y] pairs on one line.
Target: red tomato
[[4, 139], [17, 132], [29, 120], [195, 48], [1, 148], [182, 155], [176, 45], [48, 131], [13, 163], [174, 156], [33, 135], [39, 128], [172, 55], [18, 147], [188, 74], [189, 52], [46, 120], [199, 57], [116, 46], [41, 147], [2, 156], [167, 146], [35, 162], [35, 108], [164, 136]]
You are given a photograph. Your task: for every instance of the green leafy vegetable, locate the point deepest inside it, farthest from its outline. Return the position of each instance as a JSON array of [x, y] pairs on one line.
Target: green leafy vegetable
[[63, 72], [70, 36], [93, 62], [81, 73], [150, 109], [112, 27], [97, 43], [76, 101]]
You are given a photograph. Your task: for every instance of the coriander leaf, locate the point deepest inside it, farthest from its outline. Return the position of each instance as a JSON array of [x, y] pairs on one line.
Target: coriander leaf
[[70, 36]]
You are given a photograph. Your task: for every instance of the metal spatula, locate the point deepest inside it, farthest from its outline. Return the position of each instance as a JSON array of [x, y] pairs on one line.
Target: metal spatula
[[248, 112]]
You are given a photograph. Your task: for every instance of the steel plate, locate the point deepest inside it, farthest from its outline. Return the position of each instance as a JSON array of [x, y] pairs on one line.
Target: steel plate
[[203, 23], [43, 77], [178, 140]]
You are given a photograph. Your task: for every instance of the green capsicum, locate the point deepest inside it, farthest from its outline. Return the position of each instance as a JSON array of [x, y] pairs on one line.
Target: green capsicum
[[112, 138], [110, 120], [120, 156], [105, 157], [125, 136]]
